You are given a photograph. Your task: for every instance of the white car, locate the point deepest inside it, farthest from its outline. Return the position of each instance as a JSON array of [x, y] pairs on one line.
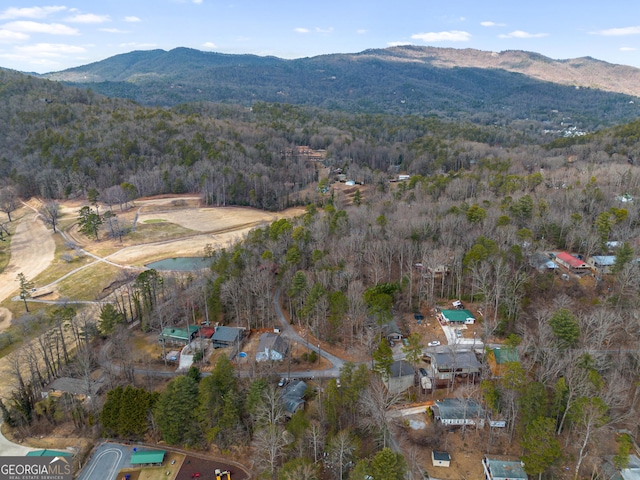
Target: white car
[[434, 343]]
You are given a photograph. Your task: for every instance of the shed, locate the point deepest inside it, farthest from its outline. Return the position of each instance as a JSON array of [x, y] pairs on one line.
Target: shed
[[440, 459], [499, 358], [147, 457], [48, 453], [499, 469], [457, 316]]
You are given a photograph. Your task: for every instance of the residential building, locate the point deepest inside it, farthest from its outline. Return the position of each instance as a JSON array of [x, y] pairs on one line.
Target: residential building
[[602, 264], [499, 469], [293, 396], [227, 337], [402, 376], [630, 472], [542, 263], [178, 336], [458, 412], [77, 387], [456, 316], [574, 264], [271, 347], [445, 366], [392, 331]]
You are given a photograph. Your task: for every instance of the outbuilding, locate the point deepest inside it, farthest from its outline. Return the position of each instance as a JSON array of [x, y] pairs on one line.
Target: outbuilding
[[148, 457], [440, 459]]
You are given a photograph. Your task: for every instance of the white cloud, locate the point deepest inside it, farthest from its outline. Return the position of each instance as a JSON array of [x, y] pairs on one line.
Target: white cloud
[[37, 27], [450, 36], [618, 32], [50, 49], [89, 18], [521, 34], [112, 30], [324, 30], [361, 31], [301, 30], [398, 44], [197, 2], [628, 49], [30, 12], [7, 36], [132, 19], [209, 45], [493, 24]]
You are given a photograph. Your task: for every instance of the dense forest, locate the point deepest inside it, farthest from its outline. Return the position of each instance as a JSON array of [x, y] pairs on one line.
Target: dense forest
[[481, 200]]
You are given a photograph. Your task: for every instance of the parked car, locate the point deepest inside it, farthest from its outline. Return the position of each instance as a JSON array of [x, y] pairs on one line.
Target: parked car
[[423, 372], [282, 382], [458, 333], [434, 343]]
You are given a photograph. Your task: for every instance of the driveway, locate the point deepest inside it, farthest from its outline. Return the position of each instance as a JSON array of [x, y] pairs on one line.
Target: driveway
[[106, 461]]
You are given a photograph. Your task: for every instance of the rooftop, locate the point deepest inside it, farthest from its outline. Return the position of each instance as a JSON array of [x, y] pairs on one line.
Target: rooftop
[[147, 456], [456, 315], [227, 334], [456, 359], [452, 408], [505, 354], [511, 469], [570, 260]]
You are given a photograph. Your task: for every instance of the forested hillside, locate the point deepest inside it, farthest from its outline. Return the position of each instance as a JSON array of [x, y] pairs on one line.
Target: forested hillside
[[447, 83], [479, 202]]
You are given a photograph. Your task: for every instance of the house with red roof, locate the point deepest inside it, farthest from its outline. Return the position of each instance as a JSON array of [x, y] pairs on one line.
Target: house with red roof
[[573, 264]]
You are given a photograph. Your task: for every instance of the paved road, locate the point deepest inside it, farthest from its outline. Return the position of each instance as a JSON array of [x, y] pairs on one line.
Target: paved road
[[105, 463], [9, 449]]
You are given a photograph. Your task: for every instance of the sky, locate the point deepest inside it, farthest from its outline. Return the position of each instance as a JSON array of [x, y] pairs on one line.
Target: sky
[[48, 37]]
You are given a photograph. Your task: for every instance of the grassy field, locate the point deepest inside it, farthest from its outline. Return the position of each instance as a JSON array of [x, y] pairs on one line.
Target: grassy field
[[157, 231], [88, 283]]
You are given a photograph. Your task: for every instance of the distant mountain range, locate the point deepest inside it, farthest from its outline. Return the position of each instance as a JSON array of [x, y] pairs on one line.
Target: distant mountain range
[[487, 87]]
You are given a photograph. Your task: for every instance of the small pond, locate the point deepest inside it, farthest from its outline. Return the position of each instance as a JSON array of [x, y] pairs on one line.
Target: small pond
[[181, 264]]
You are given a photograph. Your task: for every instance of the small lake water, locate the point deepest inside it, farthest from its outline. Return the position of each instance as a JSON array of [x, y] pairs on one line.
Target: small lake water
[[181, 264]]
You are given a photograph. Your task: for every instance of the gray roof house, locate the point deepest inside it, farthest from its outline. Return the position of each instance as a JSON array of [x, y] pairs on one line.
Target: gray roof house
[[445, 366], [602, 263], [402, 376], [293, 396], [392, 331], [498, 469], [227, 336], [271, 347], [455, 411], [542, 263]]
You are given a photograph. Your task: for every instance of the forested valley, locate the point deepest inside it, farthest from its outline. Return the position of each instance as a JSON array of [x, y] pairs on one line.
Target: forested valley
[[480, 201]]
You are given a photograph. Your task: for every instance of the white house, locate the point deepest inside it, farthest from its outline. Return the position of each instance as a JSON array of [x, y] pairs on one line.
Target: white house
[[440, 459]]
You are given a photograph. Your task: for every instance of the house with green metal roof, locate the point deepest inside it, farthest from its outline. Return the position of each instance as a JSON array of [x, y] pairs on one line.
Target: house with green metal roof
[[48, 453], [499, 358], [457, 316], [148, 457], [178, 336]]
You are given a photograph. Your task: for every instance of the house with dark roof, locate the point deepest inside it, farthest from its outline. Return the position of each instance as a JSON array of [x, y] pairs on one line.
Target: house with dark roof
[[271, 347], [401, 377], [630, 472], [458, 412], [499, 469], [391, 331], [440, 459], [293, 396], [227, 337], [79, 388], [542, 263], [445, 366]]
